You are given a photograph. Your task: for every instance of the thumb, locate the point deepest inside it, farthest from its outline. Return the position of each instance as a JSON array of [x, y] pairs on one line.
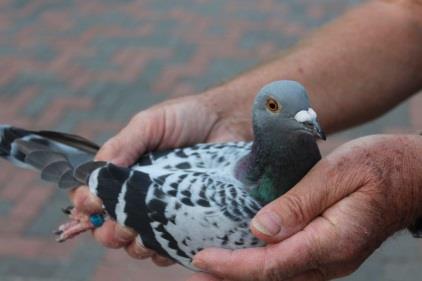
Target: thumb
[[142, 133], [325, 184]]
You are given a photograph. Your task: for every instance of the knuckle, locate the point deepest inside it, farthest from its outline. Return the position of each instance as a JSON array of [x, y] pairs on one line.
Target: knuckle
[[132, 254], [141, 118], [156, 262], [295, 207], [104, 235], [111, 146], [110, 243], [125, 234], [137, 253], [91, 204], [161, 261]]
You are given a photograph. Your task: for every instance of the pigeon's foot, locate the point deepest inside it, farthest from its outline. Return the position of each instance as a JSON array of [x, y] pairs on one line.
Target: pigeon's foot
[[78, 223]]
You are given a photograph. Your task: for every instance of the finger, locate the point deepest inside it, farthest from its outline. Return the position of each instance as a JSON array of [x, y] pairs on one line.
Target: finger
[[141, 134], [296, 255], [326, 183], [161, 261], [244, 264], [113, 235], [203, 277], [84, 201], [137, 250]]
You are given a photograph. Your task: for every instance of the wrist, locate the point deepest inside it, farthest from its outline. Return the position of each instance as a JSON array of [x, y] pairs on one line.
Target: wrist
[[406, 176], [392, 165], [232, 106], [230, 99]]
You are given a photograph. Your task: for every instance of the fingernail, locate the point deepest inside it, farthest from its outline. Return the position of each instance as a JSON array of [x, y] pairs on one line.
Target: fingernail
[[267, 223], [199, 263], [119, 161]]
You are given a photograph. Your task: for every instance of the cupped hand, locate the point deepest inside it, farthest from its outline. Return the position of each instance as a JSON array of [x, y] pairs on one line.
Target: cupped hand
[[174, 123], [332, 220]]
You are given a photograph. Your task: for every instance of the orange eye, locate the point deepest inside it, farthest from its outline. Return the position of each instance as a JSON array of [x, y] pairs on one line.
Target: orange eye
[[272, 105]]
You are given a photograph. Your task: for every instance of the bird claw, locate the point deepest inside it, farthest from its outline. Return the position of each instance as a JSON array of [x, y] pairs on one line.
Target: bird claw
[[78, 223], [71, 229], [67, 210]]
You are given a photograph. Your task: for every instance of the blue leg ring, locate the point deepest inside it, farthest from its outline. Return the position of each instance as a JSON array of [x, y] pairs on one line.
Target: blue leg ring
[[97, 220]]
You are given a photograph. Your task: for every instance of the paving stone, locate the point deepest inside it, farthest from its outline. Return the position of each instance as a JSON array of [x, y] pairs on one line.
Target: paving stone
[[88, 66]]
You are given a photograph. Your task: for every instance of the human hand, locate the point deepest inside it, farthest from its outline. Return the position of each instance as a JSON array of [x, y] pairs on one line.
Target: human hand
[[174, 123], [332, 220]]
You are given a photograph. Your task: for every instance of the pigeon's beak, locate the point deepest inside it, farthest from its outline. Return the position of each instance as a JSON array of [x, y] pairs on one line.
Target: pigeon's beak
[[309, 120], [317, 130]]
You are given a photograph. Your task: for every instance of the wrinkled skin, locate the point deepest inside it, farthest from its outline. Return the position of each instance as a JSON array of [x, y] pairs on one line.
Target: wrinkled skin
[[330, 222]]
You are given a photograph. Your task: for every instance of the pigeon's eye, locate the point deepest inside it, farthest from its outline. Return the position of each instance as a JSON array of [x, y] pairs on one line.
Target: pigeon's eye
[[272, 105]]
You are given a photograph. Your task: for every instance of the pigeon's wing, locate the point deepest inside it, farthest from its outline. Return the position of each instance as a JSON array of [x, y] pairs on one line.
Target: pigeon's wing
[[204, 210], [123, 192], [200, 156], [177, 213]]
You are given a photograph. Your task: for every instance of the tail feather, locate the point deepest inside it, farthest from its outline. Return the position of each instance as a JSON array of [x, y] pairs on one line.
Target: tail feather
[[56, 155], [8, 135], [55, 171], [42, 158], [83, 171], [67, 180], [75, 141], [68, 161]]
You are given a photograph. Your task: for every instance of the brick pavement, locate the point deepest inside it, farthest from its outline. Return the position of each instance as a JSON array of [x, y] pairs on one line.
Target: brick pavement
[[87, 66]]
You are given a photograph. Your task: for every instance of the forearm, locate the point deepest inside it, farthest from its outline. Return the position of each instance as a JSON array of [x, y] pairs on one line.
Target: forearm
[[416, 171], [355, 68]]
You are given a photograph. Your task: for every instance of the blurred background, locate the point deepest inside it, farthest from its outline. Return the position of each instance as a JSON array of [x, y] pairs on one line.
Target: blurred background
[[87, 66]]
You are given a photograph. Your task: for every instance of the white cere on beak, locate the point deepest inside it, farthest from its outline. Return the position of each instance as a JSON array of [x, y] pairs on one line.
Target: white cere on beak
[[306, 115], [312, 113]]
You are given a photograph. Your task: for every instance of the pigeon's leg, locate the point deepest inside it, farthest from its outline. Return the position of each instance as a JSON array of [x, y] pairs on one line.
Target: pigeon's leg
[[78, 223]]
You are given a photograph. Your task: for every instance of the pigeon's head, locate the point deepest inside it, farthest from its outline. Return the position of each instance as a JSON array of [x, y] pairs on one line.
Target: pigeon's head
[[283, 106]]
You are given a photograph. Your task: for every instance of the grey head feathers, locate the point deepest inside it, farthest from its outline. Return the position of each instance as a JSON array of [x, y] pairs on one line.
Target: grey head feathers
[[290, 94], [282, 107]]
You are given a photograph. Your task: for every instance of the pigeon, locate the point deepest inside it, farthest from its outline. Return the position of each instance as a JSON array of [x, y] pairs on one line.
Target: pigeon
[[183, 200]]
